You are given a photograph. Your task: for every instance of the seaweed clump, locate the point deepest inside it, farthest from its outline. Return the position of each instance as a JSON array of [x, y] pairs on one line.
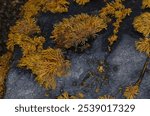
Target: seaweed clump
[[82, 2], [33, 7], [27, 44], [143, 45], [25, 26], [21, 35], [46, 64], [131, 91], [76, 30], [4, 67], [145, 4], [56, 6], [66, 95], [117, 10], [142, 24], [106, 97]]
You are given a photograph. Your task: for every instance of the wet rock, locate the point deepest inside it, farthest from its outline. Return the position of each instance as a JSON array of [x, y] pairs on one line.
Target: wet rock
[[21, 85], [145, 88], [129, 63]]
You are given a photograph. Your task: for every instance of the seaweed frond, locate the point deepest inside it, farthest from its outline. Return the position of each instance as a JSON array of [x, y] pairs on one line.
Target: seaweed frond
[[112, 39], [101, 69], [47, 65], [142, 24], [66, 95], [56, 6], [25, 26], [27, 44], [4, 67], [145, 4], [21, 32], [131, 91], [76, 30], [33, 7], [106, 97], [82, 2], [143, 45], [117, 10]]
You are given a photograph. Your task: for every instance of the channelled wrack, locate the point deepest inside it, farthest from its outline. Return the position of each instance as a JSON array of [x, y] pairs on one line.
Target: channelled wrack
[[4, 67], [47, 65], [76, 30]]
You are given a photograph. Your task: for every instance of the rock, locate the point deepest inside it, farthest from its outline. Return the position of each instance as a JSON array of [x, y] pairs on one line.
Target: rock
[[145, 87], [21, 85], [129, 63]]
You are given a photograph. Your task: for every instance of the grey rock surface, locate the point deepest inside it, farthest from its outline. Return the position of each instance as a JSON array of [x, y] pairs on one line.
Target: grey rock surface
[[129, 63], [145, 87], [21, 85]]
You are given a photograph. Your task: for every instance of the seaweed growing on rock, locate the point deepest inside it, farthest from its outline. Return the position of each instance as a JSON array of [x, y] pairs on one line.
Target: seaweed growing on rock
[[117, 10], [25, 26], [56, 6], [106, 97], [131, 91], [143, 45], [145, 4], [27, 44], [76, 30], [82, 2], [142, 24], [4, 67], [33, 7], [66, 95], [47, 65], [21, 31]]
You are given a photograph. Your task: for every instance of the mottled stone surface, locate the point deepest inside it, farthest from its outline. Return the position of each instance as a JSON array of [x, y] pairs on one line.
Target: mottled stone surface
[[145, 87], [129, 63], [21, 85]]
